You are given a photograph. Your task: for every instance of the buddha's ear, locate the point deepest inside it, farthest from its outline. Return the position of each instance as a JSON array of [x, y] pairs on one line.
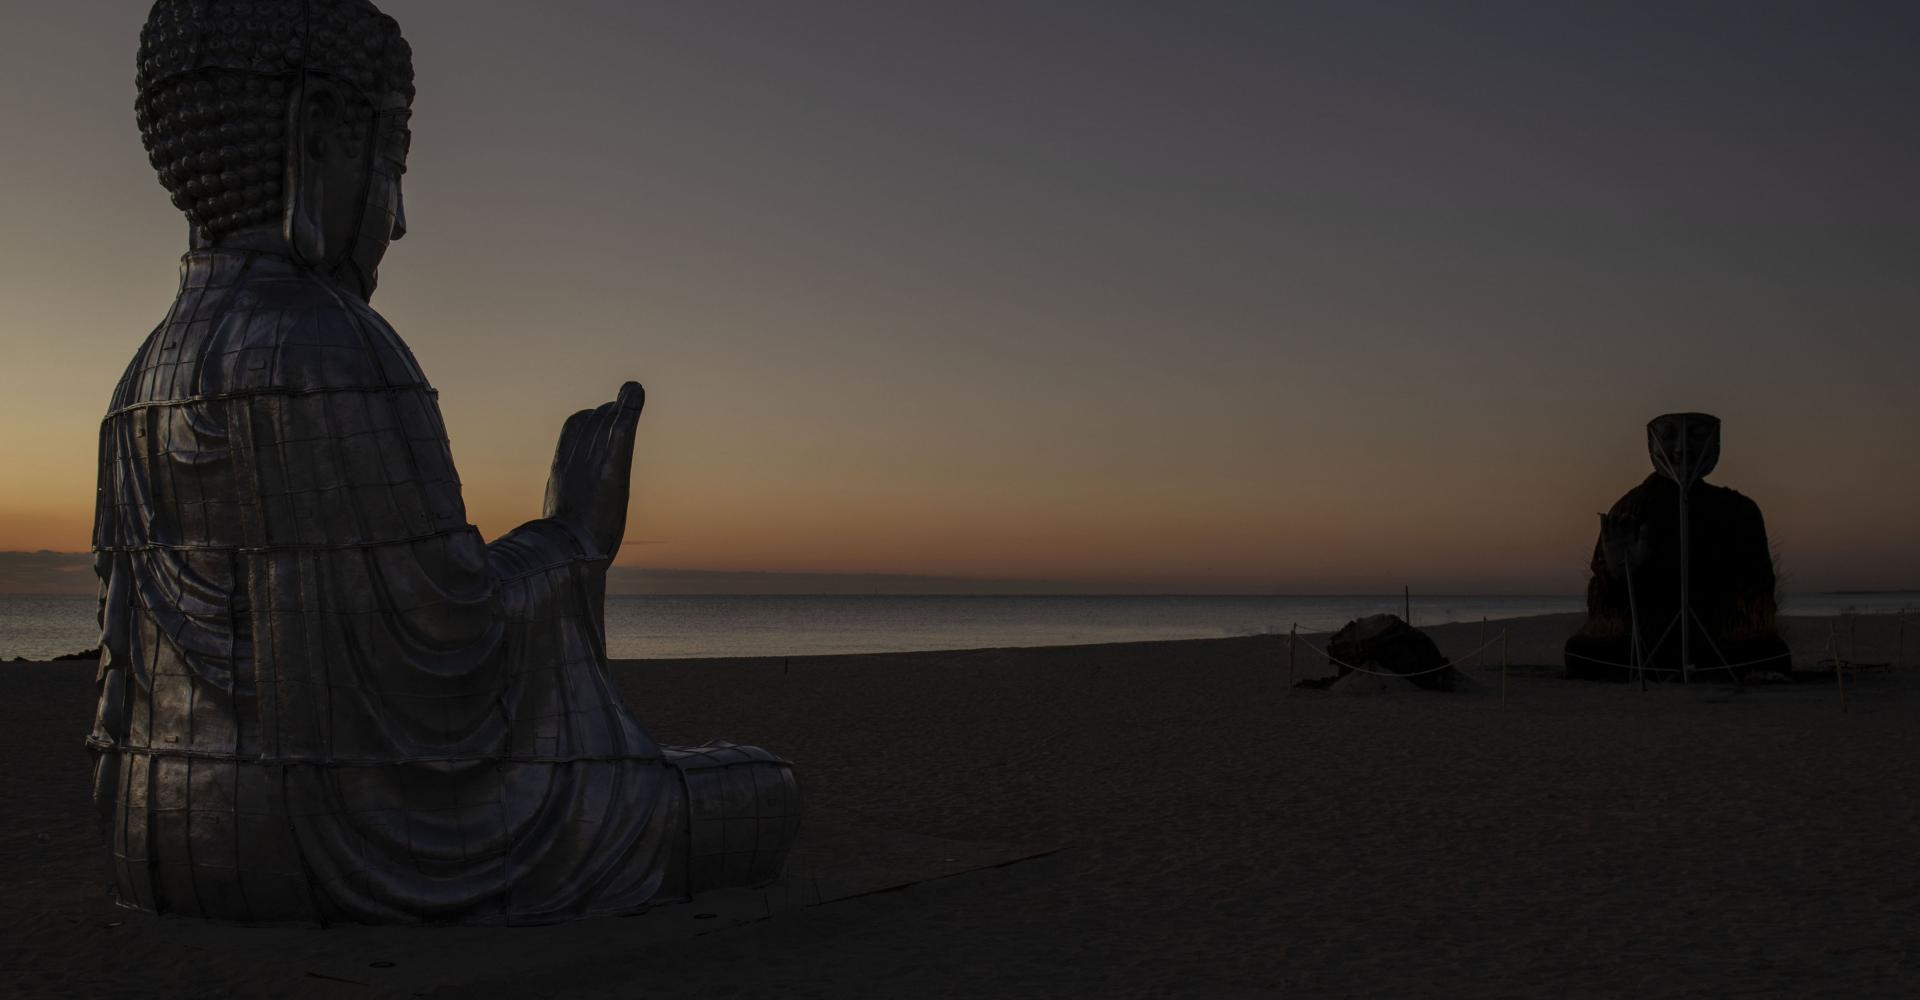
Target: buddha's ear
[[313, 114]]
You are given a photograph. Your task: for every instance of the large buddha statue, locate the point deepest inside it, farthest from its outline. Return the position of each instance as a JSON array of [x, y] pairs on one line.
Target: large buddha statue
[[322, 697], [1634, 592]]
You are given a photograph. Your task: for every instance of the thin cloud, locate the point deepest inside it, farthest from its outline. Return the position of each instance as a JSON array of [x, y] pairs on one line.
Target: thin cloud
[[47, 573]]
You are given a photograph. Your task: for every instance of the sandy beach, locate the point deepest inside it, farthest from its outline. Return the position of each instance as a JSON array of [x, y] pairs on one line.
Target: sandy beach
[[1200, 829]]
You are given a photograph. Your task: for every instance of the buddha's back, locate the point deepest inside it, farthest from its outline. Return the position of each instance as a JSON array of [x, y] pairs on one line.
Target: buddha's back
[[322, 695], [317, 686]]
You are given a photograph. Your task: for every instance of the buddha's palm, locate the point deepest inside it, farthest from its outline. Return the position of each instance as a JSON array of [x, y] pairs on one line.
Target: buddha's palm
[[593, 468]]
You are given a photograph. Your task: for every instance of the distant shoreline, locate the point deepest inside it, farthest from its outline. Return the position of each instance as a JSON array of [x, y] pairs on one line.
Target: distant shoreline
[[49, 574], [1532, 641]]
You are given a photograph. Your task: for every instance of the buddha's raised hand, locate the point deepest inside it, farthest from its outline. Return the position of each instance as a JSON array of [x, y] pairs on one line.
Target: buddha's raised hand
[[593, 468]]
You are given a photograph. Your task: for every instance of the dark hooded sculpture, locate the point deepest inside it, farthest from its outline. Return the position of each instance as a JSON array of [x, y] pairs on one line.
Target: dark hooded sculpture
[[1634, 593], [321, 695]]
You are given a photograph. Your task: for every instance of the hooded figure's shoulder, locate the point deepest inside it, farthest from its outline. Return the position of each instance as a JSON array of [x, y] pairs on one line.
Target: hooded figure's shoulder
[[1724, 500], [1656, 492]]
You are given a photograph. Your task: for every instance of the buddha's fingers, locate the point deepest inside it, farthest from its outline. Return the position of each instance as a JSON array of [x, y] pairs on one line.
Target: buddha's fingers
[[599, 442], [626, 423], [596, 502], [571, 439], [617, 484], [592, 469]]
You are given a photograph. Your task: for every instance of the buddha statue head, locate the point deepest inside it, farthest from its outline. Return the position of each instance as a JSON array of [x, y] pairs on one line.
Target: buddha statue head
[[281, 125], [1685, 446]]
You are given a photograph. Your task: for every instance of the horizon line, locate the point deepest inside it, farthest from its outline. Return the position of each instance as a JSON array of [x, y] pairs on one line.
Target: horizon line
[[697, 581]]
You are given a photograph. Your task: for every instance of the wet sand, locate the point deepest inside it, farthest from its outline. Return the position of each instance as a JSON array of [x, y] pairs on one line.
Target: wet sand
[[1219, 835]]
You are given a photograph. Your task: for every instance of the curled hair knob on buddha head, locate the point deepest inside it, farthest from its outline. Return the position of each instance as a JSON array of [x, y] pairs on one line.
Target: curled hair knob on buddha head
[[215, 82]]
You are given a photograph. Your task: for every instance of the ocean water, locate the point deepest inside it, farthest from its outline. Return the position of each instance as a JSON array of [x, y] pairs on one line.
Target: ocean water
[[666, 627]]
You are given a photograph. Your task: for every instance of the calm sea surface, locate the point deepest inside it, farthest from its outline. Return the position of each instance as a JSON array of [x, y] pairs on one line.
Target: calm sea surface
[[661, 627]]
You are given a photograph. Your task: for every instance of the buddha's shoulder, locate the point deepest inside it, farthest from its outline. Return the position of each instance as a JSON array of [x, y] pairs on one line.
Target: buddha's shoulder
[[298, 336], [252, 324]]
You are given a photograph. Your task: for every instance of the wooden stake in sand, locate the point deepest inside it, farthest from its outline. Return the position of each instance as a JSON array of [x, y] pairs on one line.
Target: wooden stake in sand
[[1503, 668], [1292, 636], [1900, 640], [1406, 603], [1839, 666]]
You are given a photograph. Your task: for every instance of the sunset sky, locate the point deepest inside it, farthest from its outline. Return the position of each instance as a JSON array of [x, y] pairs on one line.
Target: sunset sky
[[1179, 296]]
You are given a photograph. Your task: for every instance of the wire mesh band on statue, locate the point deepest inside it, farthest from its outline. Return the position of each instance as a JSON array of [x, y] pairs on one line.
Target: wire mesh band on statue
[[321, 695]]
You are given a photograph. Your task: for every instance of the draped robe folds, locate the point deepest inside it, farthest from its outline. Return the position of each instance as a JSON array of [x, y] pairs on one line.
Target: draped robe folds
[[322, 696]]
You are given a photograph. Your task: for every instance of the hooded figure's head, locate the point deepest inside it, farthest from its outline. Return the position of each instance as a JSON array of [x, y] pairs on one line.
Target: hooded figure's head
[[1685, 446]]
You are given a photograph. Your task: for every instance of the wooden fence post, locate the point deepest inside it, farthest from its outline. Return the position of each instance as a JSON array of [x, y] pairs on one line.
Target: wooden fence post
[[1503, 668], [1292, 637], [1839, 665], [1900, 640]]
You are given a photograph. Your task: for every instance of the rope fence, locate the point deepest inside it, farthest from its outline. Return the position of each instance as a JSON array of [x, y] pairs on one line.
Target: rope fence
[[1840, 665], [1676, 670]]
